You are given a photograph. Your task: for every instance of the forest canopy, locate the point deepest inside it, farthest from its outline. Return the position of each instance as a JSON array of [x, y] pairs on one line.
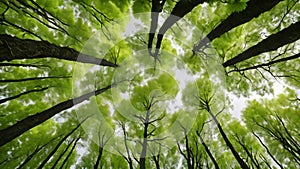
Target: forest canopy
[[149, 84]]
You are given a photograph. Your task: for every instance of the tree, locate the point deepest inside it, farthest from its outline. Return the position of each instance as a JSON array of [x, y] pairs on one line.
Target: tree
[[14, 48], [82, 85], [278, 130]]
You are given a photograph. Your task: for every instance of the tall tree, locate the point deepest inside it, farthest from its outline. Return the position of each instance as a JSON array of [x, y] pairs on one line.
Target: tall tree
[[277, 131], [31, 121]]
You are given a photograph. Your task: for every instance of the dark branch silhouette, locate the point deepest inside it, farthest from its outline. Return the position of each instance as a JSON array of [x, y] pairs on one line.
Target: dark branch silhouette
[[267, 64], [274, 41], [198, 132], [238, 18], [204, 103], [69, 154], [44, 162], [29, 122], [21, 94], [157, 6], [33, 78], [12, 48], [181, 8]]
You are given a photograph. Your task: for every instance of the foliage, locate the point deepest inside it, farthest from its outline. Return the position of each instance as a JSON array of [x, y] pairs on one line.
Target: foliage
[[166, 111]]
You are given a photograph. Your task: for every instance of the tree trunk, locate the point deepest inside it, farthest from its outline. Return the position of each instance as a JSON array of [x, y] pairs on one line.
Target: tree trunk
[[145, 142], [128, 158], [227, 141], [100, 150], [12, 48], [208, 151], [62, 154], [69, 154], [156, 8], [274, 41], [249, 154], [99, 157], [59, 144], [238, 18], [156, 161], [268, 151], [188, 151], [29, 157], [29, 122], [181, 8]]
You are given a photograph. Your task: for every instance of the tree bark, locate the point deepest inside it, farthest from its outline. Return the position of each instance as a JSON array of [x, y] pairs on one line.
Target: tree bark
[[157, 6], [12, 48], [238, 18], [274, 41], [29, 122], [189, 159], [98, 157], [156, 161], [181, 8]]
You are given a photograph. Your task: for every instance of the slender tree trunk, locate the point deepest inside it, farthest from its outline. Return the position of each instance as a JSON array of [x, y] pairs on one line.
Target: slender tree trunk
[[181, 8], [268, 151], [145, 142], [29, 157], [12, 48], [157, 6], [238, 18], [99, 157], [29, 122], [289, 137], [282, 140], [100, 150], [274, 41], [188, 151], [250, 155], [265, 161], [21, 94], [227, 141], [156, 161], [69, 154], [128, 158], [59, 144], [208, 151], [62, 154]]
